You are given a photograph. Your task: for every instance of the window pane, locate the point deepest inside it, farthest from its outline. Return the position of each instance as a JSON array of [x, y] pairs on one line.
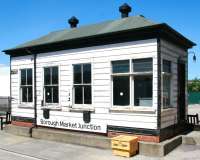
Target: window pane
[[143, 91], [54, 75], [78, 94], [77, 74], [166, 66], [23, 77], [142, 65], [166, 91], [87, 95], [48, 94], [30, 94], [86, 73], [121, 90], [29, 76], [24, 94], [55, 95], [46, 76], [120, 66]]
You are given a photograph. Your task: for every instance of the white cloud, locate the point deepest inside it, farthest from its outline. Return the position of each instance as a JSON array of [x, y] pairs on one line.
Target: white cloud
[[4, 80]]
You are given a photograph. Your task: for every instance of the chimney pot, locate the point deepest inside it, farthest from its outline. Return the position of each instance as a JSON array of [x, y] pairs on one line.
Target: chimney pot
[[125, 9], [73, 21]]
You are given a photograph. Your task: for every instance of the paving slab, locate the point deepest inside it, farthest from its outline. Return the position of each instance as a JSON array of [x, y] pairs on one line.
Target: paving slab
[[10, 139], [194, 134], [7, 155], [23, 148], [194, 108], [49, 150], [185, 152], [193, 138]]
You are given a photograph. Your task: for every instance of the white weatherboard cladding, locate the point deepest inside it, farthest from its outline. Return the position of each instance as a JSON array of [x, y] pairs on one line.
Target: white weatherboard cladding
[[172, 53], [18, 63], [100, 57]]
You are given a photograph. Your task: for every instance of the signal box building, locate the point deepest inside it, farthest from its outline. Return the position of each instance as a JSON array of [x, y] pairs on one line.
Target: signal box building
[[125, 76]]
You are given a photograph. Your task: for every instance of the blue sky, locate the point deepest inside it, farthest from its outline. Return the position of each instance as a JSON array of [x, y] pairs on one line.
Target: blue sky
[[24, 20]]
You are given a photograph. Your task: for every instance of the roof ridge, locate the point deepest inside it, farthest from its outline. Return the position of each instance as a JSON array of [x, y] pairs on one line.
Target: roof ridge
[[107, 21]]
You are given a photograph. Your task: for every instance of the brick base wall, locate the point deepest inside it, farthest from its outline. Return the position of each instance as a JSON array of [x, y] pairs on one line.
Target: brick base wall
[[22, 124]]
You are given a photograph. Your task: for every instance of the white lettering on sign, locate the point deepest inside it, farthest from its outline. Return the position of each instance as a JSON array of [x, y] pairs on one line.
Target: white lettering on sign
[[102, 128]]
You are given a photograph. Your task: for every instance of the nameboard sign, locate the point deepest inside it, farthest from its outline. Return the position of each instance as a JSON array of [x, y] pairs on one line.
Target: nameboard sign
[[14, 71], [73, 125]]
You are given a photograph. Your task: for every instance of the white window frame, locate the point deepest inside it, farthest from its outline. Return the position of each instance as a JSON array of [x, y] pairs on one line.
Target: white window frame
[[49, 105], [131, 75], [25, 104], [170, 76], [81, 106]]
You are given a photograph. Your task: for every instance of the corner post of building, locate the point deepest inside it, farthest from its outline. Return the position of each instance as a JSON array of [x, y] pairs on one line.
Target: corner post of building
[[159, 86]]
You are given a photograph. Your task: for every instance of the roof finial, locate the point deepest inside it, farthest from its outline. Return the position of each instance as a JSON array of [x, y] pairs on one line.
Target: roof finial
[[73, 21], [125, 9]]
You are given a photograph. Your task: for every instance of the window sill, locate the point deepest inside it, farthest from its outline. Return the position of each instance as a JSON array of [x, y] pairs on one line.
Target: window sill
[[168, 108], [133, 110], [52, 108], [132, 73], [26, 106], [80, 110]]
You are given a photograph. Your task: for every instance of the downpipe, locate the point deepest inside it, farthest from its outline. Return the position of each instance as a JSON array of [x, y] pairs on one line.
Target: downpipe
[[35, 96]]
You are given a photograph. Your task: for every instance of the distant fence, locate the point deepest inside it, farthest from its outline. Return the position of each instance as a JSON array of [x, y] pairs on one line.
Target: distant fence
[[194, 97], [5, 104]]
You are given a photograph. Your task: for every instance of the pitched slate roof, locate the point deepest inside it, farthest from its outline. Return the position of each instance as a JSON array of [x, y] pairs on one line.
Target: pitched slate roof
[[90, 30], [104, 28]]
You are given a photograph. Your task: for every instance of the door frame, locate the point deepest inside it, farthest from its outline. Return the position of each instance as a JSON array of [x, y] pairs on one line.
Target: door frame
[[181, 88]]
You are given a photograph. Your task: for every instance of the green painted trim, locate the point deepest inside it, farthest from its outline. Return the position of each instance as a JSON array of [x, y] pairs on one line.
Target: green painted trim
[[22, 119], [133, 130]]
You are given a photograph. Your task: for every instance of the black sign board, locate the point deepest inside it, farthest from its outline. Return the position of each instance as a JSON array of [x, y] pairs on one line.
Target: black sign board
[[14, 71], [86, 116], [46, 113]]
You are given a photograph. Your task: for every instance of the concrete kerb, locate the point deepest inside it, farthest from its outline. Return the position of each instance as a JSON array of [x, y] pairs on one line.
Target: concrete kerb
[[159, 149], [72, 137], [145, 148], [18, 130]]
